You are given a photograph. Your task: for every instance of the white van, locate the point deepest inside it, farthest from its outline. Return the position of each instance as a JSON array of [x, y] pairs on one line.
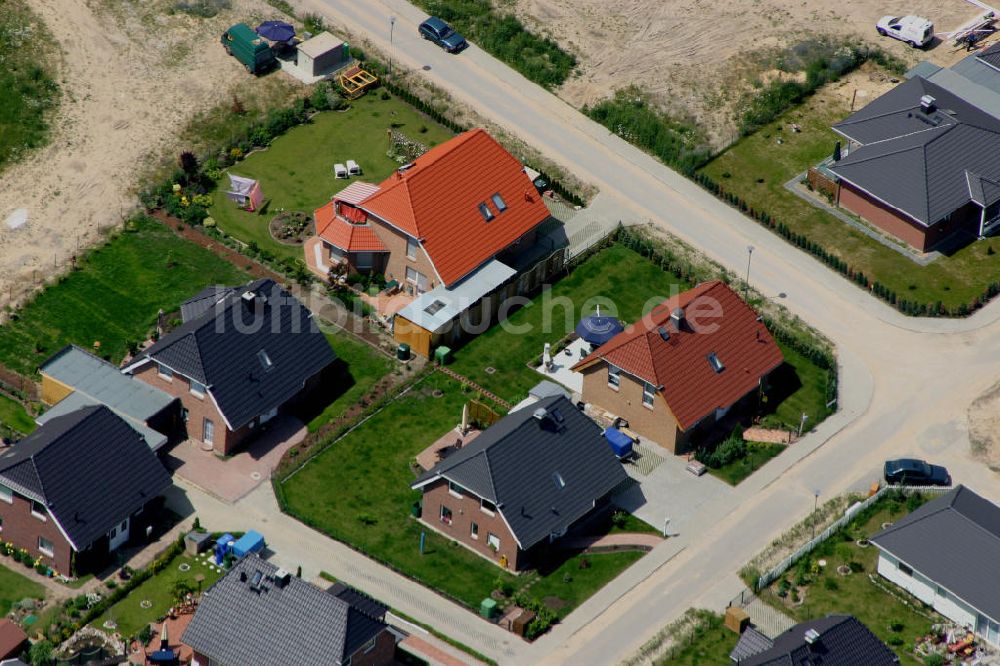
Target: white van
[[914, 30]]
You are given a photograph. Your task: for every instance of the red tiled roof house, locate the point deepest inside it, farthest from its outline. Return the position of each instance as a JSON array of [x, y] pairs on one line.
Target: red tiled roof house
[[451, 228], [682, 367]]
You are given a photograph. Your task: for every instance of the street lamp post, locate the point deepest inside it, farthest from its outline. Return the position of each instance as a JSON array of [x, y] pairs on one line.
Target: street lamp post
[[746, 286], [802, 422], [815, 509], [392, 26]]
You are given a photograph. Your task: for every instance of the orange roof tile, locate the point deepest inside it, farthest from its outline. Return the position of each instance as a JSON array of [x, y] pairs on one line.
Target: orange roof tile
[[346, 235], [436, 200], [716, 321]]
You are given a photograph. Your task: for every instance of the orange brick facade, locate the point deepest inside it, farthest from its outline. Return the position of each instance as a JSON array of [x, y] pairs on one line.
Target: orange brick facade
[[466, 510], [199, 409], [899, 225], [395, 267], [656, 423], [21, 528]]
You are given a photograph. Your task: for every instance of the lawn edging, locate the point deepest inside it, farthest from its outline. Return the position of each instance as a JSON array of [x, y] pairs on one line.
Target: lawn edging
[[426, 627]]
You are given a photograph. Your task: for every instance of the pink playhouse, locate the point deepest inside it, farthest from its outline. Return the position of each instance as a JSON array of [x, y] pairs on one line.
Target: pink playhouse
[[245, 192]]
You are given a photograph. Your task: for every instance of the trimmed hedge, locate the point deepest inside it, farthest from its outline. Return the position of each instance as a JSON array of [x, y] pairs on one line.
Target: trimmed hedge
[[906, 306]]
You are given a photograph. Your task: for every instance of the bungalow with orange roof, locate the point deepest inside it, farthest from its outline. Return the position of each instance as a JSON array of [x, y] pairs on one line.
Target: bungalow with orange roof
[[454, 228], [683, 367]]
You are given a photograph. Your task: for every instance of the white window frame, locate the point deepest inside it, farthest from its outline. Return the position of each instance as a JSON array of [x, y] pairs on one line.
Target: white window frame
[[456, 490], [648, 395], [41, 515], [411, 248], [197, 388], [486, 212], [208, 430], [482, 507], [499, 202], [615, 374], [50, 551], [474, 530], [493, 541], [370, 645], [451, 515], [164, 372], [265, 361], [6, 494]]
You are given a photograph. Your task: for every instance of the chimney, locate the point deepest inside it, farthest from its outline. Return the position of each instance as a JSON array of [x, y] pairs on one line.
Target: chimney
[[677, 316], [812, 636], [927, 104]]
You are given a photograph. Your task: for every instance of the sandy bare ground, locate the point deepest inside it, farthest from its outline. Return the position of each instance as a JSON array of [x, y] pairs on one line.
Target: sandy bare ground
[[984, 427], [697, 56], [132, 76]]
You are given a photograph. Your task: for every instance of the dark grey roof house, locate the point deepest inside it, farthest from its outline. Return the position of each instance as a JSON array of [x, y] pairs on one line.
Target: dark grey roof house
[[541, 468], [259, 614], [946, 554], [924, 153], [85, 474], [248, 349], [835, 640]]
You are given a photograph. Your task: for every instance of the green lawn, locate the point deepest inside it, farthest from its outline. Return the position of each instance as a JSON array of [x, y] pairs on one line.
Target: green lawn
[[568, 585], [129, 613], [829, 592], [757, 455], [114, 297], [28, 53], [13, 415], [710, 642], [359, 367], [953, 280], [358, 491], [798, 387], [615, 276], [14, 586], [296, 171]]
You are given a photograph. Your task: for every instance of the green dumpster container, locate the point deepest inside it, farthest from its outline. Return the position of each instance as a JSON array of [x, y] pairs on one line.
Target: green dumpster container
[[403, 352], [488, 608], [442, 354]]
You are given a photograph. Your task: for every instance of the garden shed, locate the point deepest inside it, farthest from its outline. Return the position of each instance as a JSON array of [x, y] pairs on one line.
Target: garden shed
[[322, 54]]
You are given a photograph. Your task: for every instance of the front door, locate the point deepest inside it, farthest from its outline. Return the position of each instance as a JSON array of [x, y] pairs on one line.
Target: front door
[[208, 431]]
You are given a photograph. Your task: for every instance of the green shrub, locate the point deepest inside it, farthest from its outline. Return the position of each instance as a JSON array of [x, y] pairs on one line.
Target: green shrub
[[934, 660]]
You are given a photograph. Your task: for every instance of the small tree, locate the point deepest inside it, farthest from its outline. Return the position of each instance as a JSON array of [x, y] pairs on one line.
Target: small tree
[[188, 164], [40, 653]]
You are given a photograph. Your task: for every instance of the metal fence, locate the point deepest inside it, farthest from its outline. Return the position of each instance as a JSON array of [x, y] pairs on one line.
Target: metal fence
[[770, 576]]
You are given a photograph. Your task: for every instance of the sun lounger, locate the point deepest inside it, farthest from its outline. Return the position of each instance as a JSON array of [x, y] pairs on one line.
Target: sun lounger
[[340, 171], [353, 168]]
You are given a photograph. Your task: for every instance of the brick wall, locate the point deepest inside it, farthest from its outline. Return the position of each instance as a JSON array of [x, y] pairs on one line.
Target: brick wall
[[198, 408], [382, 655], [466, 510], [902, 227], [657, 424], [395, 266], [22, 529]]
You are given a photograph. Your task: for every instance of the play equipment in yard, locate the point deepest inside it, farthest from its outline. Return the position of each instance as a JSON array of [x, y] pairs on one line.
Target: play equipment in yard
[[245, 192], [251, 542], [355, 81]]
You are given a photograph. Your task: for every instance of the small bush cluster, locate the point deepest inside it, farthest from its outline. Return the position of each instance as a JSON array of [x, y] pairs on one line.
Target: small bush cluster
[[202, 8], [730, 450], [544, 617], [538, 58], [631, 115]]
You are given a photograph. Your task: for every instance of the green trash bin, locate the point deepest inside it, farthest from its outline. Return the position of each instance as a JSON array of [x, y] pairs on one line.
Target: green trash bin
[[488, 608], [442, 355], [403, 352], [415, 510]]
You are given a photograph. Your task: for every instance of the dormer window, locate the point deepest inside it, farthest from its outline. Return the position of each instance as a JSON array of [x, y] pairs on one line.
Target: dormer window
[[485, 211], [499, 202], [265, 360], [716, 364]]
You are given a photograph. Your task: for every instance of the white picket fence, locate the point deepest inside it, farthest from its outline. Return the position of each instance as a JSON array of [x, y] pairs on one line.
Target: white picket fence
[[770, 576]]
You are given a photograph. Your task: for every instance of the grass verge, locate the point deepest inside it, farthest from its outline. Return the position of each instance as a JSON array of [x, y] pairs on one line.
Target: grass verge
[[13, 415], [360, 367], [113, 296]]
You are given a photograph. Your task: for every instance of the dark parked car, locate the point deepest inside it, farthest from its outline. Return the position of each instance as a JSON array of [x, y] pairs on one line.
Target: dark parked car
[[913, 472], [441, 34]]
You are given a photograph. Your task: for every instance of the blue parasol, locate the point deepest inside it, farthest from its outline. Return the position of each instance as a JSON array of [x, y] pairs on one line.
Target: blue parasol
[[598, 329], [276, 31]]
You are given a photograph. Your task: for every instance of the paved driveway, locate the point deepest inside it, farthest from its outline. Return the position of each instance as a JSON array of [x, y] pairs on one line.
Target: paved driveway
[[231, 478]]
